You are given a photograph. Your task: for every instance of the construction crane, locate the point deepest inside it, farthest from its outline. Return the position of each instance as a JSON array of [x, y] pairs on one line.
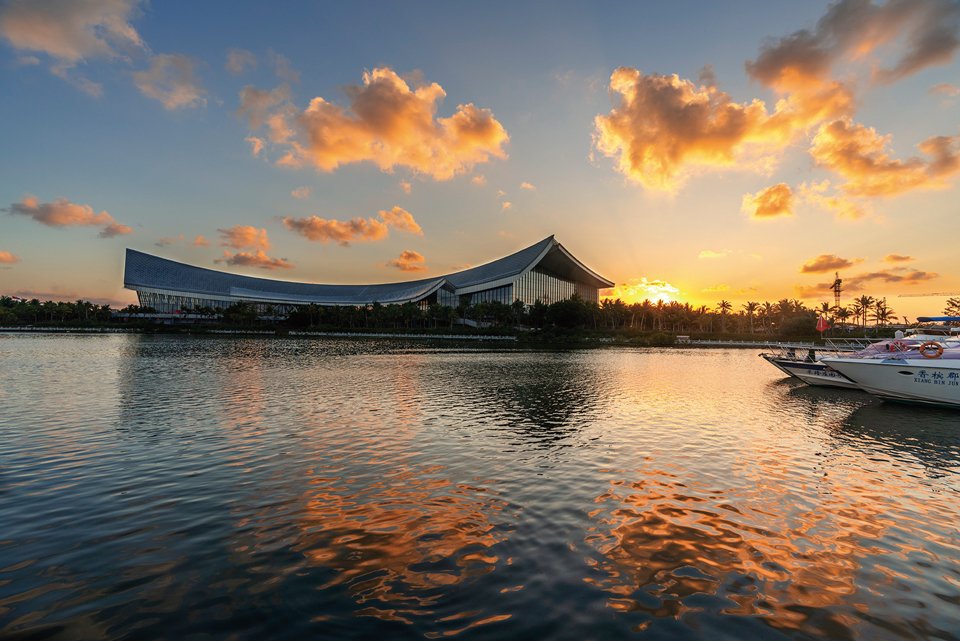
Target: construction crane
[[948, 294], [837, 282]]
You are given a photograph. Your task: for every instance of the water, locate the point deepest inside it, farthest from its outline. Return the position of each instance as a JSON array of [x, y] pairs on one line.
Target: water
[[170, 487]]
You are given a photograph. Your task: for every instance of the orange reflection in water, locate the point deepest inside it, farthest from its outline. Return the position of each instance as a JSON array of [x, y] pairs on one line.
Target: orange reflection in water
[[662, 540], [398, 533], [402, 540]]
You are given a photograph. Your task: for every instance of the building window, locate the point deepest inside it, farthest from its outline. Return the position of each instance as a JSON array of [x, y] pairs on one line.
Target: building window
[[548, 288]]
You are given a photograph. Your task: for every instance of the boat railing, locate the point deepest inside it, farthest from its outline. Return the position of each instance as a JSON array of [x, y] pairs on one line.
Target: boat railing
[[849, 344]]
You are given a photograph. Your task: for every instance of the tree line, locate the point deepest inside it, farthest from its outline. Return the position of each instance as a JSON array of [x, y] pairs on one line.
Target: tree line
[[783, 317], [15, 311]]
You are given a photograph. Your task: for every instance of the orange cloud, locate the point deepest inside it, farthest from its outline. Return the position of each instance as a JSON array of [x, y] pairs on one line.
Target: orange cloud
[[115, 229], [409, 261], [406, 186], [820, 195], [528, 186], [665, 128], [663, 125], [257, 259], [826, 263], [387, 122], [200, 241], [63, 213], [776, 200], [858, 282], [239, 60], [341, 231], [480, 180], [852, 30], [898, 275], [301, 193], [859, 154], [897, 258], [400, 218], [71, 33], [244, 237], [256, 144], [945, 89], [505, 205], [171, 79], [8, 258], [357, 229]]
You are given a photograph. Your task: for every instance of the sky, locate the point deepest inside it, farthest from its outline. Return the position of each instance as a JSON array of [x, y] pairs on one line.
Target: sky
[[688, 151]]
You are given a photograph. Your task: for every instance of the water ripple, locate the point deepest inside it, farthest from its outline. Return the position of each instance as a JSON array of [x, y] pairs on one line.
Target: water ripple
[[167, 487]]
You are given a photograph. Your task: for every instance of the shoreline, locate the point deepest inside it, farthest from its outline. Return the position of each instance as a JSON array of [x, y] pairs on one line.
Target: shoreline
[[572, 341]]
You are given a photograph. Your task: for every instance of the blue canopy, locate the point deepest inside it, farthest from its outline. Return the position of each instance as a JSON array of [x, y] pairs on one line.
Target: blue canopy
[[938, 319]]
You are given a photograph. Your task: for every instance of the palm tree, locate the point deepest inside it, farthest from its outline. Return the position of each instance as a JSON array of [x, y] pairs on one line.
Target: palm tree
[[724, 307], [750, 307], [843, 314], [856, 310], [866, 302], [952, 307], [881, 313], [767, 314]]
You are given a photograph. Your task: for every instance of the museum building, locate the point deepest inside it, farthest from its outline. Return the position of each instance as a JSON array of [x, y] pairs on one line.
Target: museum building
[[546, 271]]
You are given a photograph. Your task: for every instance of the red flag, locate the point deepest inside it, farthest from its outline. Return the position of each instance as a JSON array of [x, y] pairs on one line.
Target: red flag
[[822, 324]]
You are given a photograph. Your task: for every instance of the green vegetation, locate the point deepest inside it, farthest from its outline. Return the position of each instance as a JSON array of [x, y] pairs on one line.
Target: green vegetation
[[14, 312], [572, 320]]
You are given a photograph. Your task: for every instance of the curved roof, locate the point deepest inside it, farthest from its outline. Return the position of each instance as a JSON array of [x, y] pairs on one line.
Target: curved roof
[[147, 272]]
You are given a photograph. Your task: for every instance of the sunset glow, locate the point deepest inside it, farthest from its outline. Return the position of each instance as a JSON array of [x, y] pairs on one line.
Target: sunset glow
[[684, 167], [638, 290]]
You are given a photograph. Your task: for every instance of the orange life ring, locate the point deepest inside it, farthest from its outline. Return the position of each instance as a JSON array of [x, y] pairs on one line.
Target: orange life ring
[[931, 349]]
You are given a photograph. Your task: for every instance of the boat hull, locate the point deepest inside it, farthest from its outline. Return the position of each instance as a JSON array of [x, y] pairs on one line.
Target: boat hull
[[816, 373], [770, 358], [930, 382]]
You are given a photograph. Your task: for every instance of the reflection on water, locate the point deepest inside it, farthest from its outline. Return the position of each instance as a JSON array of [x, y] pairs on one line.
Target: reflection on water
[[928, 435], [163, 487], [398, 544], [671, 547]]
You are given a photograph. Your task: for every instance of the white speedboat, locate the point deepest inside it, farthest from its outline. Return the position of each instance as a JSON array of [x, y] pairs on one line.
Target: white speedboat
[[929, 375], [805, 362], [807, 368]]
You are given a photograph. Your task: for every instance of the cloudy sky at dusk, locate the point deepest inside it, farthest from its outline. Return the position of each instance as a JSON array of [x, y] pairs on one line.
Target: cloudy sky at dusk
[[737, 150]]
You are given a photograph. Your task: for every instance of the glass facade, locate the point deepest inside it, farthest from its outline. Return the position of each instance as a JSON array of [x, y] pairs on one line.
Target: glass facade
[[161, 279], [172, 303], [533, 286], [447, 298], [548, 288], [496, 295], [543, 272]]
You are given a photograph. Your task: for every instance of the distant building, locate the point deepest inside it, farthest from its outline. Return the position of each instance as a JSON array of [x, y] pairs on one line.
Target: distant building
[[545, 271]]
